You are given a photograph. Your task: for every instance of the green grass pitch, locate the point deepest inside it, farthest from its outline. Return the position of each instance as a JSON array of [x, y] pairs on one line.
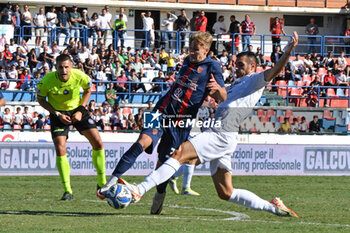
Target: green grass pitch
[[31, 204]]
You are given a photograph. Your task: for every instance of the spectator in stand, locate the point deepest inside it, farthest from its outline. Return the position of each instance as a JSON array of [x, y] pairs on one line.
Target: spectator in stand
[[116, 119], [168, 27], [105, 23], [297, 68], [276, 28], [40, 67], [201, 22], [40, 23], [163, 57], [224, 58], [121, 11], [342, 63], [91, 106], [295, 126], [7, 54], [218, 28], [75, 19], [34, 119], [7, 118], [193, 20], [84, 24], [155, 57], [6, 14], [328, 61], [16, 21], [157, 83], [83, 54], [347, 41], [314, 125], [170, 62], [139, 117], [276, 55], [18, 117], [26, 20], [120, 26], [25, 84], [63, 24], [248, 29], [341, 79], [46, 56], [32, 60], [133, 77], [110, 94], [97, 118], [309, 65], [181, 25], [148, 25], [131, 124], [146, 56], [27, 118], [253, 129], [285, 126], [94, 28], [316, 59], [235, 27], [260, 58], [39, 124], [312, 96], [121, 86], [303, 126], [137, 65], [316, 84], [101, 75], [312, 30], [12, 73], [51, 20]]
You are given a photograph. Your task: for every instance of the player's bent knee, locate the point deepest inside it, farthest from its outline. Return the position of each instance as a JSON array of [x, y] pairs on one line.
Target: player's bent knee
[[224, 195]]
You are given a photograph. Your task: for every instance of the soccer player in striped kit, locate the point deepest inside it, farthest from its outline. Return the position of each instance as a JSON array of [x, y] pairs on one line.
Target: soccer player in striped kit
[[199, 77]]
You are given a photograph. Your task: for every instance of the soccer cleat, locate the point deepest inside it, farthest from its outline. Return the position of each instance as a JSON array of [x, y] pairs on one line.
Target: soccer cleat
[[101, 194], [67, 196], [189, 191], [136, 197], [173, 185], [282, 209], [157, 204]]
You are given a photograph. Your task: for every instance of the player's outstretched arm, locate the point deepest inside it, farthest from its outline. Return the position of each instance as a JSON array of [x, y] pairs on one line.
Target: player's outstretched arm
[[273, 72]]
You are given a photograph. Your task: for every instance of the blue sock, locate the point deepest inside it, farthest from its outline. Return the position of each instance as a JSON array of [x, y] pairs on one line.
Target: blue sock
[[128, 159]]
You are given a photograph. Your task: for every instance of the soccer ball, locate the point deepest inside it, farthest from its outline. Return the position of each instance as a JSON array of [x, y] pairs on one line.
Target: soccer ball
[[118, 196]]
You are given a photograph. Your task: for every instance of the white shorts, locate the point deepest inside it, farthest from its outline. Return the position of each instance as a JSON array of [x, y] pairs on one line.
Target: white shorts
[[216, 148]]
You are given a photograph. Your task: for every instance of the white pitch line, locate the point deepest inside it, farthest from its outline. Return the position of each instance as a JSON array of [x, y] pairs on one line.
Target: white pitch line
[[237, 216]]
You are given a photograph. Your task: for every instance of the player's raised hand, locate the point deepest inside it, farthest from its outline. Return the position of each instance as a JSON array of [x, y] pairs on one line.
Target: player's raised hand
[[213, 85], [65, 119], [77, 117], [291, 45]]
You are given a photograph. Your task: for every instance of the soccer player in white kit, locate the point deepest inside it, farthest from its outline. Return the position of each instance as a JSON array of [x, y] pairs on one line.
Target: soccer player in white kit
[[216, 145]]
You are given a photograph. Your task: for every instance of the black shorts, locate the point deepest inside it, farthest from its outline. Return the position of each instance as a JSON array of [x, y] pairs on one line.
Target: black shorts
[[60, 129]]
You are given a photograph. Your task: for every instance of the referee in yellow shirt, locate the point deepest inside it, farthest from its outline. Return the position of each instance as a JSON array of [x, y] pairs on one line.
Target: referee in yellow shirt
[[59, 93]]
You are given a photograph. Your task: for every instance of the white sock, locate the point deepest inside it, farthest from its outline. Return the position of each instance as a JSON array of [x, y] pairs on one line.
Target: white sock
[[112, 180], [251, 200], [179, 172], [162, 174], [188, 173]]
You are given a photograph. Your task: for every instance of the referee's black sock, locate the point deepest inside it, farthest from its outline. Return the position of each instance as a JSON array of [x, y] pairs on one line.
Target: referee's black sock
[[162, 187], [128, 159]]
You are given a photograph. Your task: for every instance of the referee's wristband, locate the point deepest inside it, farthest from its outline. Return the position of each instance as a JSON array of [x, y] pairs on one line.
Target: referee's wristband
[[81, 109]]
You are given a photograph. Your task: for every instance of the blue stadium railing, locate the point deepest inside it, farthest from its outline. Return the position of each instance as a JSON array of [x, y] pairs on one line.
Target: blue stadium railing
[[98, 94], [321, 44]]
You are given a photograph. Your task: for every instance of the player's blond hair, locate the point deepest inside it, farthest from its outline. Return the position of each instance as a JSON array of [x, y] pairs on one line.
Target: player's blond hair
[[202, 38]]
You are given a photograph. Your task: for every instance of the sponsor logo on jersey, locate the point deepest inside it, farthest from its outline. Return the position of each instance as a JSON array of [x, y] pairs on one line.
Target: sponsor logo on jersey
[[65, 92], [200, 70]]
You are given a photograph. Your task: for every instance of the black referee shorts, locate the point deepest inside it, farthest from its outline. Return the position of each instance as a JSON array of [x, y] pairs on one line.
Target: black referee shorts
[[60, 129]]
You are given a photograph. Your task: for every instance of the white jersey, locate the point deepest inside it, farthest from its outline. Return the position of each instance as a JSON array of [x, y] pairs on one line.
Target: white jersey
[[242, 96]]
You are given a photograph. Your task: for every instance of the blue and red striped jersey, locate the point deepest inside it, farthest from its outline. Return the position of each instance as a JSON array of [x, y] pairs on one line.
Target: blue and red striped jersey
[[247, 27], [189, 89]]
